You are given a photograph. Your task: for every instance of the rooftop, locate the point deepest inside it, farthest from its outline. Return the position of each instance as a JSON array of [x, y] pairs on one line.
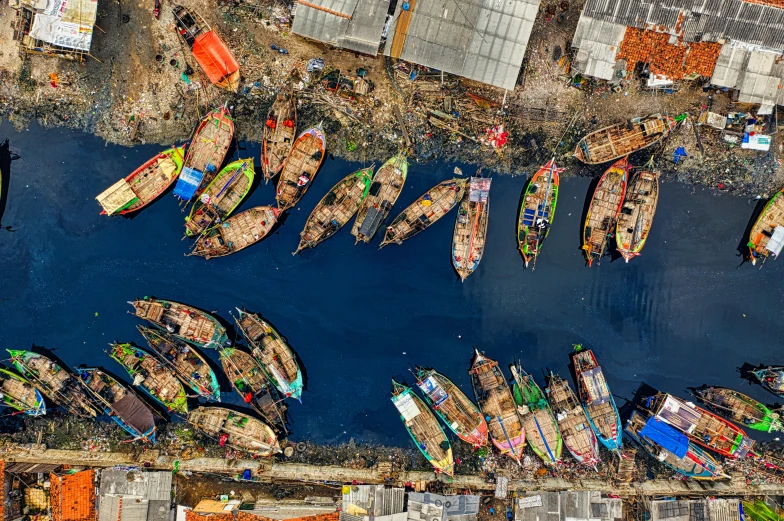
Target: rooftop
[[350, 24], [758, 75], [73, 496], [572, 506], [432, 507], [134, 496], [333, 516]]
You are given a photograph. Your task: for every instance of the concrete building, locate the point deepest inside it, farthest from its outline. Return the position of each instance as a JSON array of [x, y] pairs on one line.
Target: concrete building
[[695, 509], [134, 495], [567, 506], [435, 507], [372, 503]]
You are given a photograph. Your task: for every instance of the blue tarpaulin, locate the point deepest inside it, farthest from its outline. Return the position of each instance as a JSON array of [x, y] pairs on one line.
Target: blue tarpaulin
[[678, 155], [666, 437], [188, 183]]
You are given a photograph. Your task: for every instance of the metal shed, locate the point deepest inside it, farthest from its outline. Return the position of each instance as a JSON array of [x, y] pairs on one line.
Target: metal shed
[[349, 24]]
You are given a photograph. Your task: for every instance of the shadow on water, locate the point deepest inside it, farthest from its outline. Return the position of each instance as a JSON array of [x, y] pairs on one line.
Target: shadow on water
[[6, 157]]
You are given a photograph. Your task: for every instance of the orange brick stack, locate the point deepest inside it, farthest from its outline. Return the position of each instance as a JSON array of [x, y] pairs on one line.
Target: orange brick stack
[[193, 516], [332, 516], [771, 3], [673, 61], [73, 496], [701, 58]]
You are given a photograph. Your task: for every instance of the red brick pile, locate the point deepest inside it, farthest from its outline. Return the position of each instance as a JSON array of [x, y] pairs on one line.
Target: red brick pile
[[73, 496], [674, 61]]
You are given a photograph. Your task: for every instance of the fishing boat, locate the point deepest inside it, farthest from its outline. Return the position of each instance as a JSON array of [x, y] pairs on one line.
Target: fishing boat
[[538, 210], [280, 129], [55, 382], [250, 381], [335, 209], [541, 428], [637, 211], [152, 377], [143, 185], [206, 152], [235, 429], [704, 428], [597, 399], [185, 361], [576, 431], [771, 378], [454, 408], [739, 408], [424, 429], [498, 405], [673, 448], [221, 197], [766, 237], [120, 404], [272, 352], [470, 234], [387, 184], [430, 207], [300, 167], [603, 210], [20, 394], [615, 141], [236, 233], [185, 322], [215, 59]]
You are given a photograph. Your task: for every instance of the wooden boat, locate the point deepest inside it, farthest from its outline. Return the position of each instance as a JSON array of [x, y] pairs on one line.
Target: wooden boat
[[766, 237], [454, 408], [183, 321], [55, 382], [703, 427], [637, 211], [206, 152], [424, 429], [426, 210], [236, 430], [497, 403], [250, 381], [273, 353], [577, 434], [387, 184], [236, 233], [673, 448], [221, 197], [280, 129], [470, 234], [603, 210], [538, 210], [597, 399], [539, 423], [771, 379], [120, 404], [152, 377], [615, 141], [335, 209], [185, 361], [739, 408], [143, 185], [300, 168], [215, 59], [20, 394]]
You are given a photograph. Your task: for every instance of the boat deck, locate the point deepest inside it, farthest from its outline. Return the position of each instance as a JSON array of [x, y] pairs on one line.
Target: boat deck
[[304, 160], [429, 208], [575, 430], [384, 192]]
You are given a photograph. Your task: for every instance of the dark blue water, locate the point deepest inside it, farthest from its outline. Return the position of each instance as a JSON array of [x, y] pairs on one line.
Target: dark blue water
[[680, 315]]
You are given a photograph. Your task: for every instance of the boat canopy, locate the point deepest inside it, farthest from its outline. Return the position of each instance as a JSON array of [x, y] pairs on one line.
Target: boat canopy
[[434, 391], [479, 189], [776, 241], [188, 183], [678, 414], [407, 407], [665, 437], [133, 411], [215, 59], [117, 197], [596, 386]]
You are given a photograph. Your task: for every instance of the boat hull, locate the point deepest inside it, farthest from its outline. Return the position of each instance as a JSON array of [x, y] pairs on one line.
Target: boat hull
[[636, 216], [280, 130], [221, 197], [182, 321], [764, 228], [300, 168], [470, 233], [537, 210], [603, 210], [236, 233], [385, 189]]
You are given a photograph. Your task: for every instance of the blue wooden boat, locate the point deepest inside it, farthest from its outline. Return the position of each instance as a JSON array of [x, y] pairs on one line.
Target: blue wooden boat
[[597, 400]]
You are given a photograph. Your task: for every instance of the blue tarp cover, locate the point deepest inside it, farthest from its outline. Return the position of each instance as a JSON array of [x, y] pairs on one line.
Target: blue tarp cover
[[188, 183], [666, 437]]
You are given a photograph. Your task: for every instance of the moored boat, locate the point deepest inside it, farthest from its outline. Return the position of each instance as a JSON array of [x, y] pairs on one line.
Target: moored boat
[[151, 376], [576, 432], [272, 352], [54, 381], [454, 408], [120, 404], [300, 167], [387, 184], [424, 429], [766, 237], [280, 129], [597, 400], [183, 321], [541, 428], [739, 408], [236, 233], [429, 208], [143, 185], [537, 210], [622, 139], [221, 197], [603, 211], [185, 361], [335, 209], [497, 403], [470, 233], [771, 378], [20, 394], [673, 448], [636, 215], [235, 429]]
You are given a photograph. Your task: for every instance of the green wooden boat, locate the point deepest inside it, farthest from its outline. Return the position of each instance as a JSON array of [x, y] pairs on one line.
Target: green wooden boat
[[20, 394], [537, 210], [541, 428], [738, 407], [221, 197], [387, 184]]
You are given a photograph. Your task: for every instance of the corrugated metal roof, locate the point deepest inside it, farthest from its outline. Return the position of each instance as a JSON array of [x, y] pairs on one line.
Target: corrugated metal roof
[[597, 42], [754, 73], [568, 506], [359, 31], [147, 485], [724, 509]]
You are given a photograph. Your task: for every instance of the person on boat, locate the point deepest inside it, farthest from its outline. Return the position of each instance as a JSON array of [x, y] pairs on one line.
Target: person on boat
[[303, 179]]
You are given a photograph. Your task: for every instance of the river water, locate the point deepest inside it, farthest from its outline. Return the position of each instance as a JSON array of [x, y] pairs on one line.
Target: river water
[[682, 314]]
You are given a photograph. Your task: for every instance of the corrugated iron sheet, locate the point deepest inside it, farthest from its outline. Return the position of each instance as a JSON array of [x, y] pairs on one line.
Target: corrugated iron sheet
[[361, 32]]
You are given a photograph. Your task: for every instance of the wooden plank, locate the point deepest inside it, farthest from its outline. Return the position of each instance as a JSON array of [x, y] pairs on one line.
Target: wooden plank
[[401, 30], [399, 116]]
